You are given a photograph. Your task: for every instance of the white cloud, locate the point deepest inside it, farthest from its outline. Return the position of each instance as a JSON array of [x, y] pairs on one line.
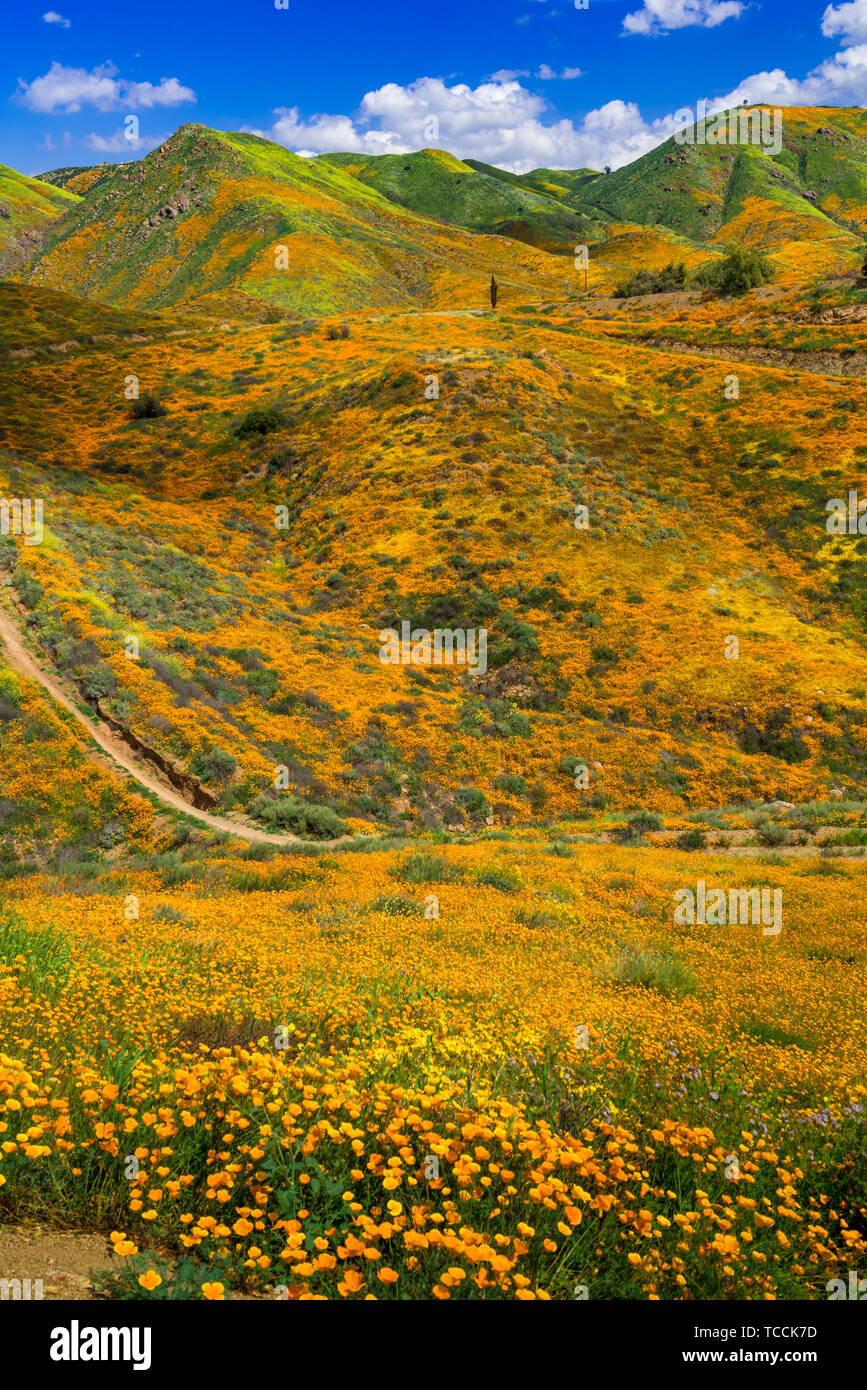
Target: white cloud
[[68, 89], [49, 144], [319, 135], [850, 21], [119, 143], [545, 73], [658, 16], [502, 122], [840, 81], [52, 17], [498, 122]]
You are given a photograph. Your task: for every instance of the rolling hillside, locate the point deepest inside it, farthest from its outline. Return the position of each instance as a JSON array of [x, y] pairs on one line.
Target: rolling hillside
[[79, 179], [607, 644], [807, 205], [207, 213], [436, 184], [376, 964], [27, 209]]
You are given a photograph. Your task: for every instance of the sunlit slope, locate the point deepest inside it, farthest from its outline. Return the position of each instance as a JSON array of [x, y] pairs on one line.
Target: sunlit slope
[[210, 212], [563, 184], [706, 521], [478, 197], [34, 320], [807, 203], [27, 208], [79, 178]]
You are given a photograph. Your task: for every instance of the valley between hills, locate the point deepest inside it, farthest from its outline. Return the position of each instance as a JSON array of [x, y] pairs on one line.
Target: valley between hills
[[374, 968]]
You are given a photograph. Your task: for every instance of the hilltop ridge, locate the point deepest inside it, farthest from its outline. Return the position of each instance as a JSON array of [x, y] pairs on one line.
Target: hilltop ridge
[[204, 214]]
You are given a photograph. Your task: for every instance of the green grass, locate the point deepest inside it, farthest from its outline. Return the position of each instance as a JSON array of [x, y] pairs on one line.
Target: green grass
[[421, 866], [637, 965]]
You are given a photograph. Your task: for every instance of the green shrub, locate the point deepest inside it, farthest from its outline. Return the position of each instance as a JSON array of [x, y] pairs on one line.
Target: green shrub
[[147, 407], [260, 420], [603, 654], [670, 277], [212, 764], [772, 835], [98, 682], [637, 826], [474, 802], [420, 866], [512, 783], [637, 966], [263, 682], [305, 818], [503, 879], [691, 839], [29, 590], [740, 270]]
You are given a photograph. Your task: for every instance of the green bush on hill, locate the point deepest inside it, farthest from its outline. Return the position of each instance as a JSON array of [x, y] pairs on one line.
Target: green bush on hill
[[306, 818], [147, 407], [259, 420], [740, 270], [670, 277]]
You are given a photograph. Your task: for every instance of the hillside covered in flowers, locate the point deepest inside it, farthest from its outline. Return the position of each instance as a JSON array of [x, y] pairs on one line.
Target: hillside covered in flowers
[[531, 973]]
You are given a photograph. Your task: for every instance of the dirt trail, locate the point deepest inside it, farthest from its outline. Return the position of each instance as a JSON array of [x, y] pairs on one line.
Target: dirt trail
[[63, 1261], [26, 664], [785, 359]]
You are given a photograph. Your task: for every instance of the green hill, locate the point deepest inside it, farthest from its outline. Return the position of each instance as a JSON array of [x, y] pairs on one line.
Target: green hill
[[698, 190], [563, 184], [472, 195], [207, 214], [27, 207], [34, 320], [204, 217], [79, 178]]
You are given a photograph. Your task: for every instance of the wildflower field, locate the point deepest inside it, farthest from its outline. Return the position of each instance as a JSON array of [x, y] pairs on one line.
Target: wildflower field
[[544, 1090], [331, 970]]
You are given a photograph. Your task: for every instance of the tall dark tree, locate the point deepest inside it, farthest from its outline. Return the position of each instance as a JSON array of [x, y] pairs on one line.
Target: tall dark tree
[[494, 288]]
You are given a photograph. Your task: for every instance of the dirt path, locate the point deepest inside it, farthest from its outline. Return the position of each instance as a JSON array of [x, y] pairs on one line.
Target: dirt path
[[784, 359], [26, 664], [63, 1261]]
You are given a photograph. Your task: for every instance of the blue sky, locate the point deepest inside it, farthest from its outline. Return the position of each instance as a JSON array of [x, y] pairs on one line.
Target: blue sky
[[517, 82]]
